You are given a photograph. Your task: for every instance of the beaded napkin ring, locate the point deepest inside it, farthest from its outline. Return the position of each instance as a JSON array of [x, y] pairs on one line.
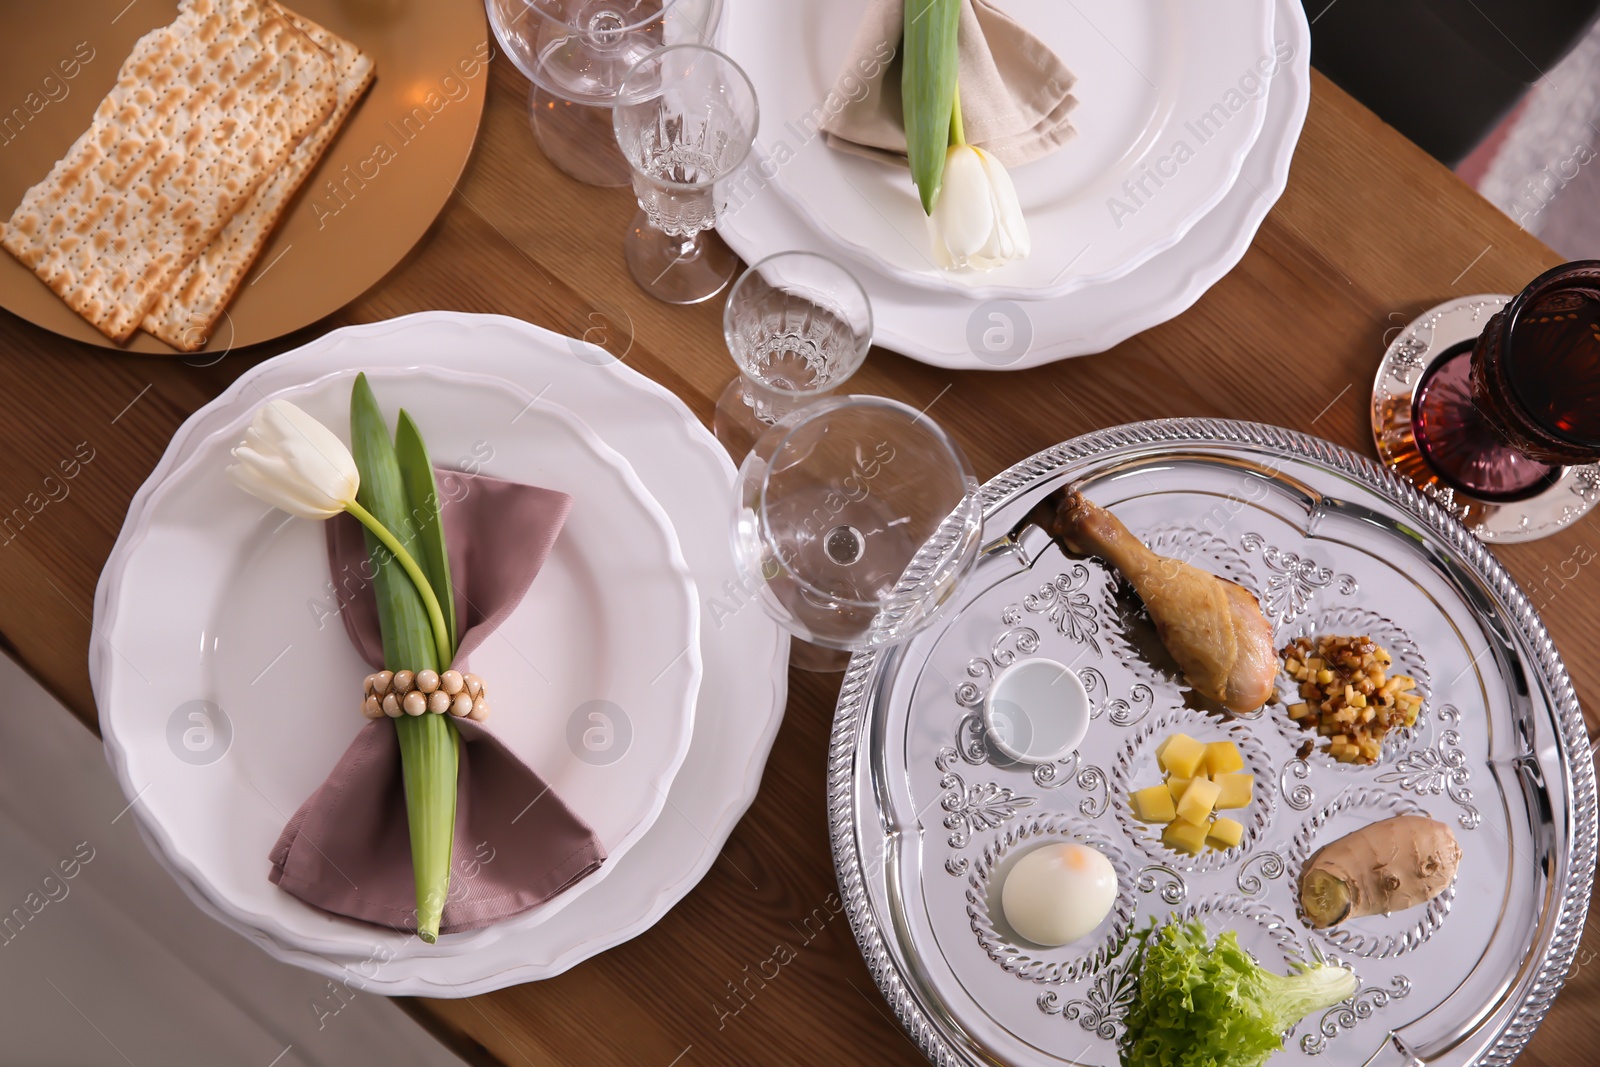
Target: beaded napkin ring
[[397, 693]]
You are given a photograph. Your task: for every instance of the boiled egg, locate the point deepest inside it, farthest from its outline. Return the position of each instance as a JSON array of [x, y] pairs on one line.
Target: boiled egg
[[1058, 893]]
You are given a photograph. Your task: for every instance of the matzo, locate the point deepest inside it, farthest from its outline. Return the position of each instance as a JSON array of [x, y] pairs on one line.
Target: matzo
[[185, 314], [203, 110]]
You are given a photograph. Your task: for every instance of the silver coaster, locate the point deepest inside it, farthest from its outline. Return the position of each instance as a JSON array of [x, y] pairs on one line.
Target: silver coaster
[[1404, 365]]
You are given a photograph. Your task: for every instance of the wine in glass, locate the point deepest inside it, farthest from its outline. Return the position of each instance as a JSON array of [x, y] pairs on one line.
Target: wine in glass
[[1499, 417]]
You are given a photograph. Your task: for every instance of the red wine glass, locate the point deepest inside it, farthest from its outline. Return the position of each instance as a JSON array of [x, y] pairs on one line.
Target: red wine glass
[[1498, 418]]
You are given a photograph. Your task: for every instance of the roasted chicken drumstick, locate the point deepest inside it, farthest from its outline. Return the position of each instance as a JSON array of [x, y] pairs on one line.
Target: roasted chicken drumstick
[[1213, 628]]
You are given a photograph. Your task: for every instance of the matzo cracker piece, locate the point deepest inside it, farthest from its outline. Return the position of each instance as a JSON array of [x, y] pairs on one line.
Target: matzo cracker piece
[[186, 313], [204, 109]]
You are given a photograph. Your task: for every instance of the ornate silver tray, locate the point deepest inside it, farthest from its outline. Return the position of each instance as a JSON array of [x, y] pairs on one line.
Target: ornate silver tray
[[925, 815]]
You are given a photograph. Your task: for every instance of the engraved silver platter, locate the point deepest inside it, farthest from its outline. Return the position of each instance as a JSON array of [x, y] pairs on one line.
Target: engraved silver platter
[[926, 816]]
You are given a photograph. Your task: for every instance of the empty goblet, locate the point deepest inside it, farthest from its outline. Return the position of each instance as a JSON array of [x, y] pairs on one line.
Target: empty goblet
[[856, 518], [798, 325], [685, 117], [576, 53]]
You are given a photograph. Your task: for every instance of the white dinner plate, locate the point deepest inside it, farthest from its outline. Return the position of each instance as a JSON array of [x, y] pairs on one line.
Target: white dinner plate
[[1014, 335], [1171, 97], [613, 616], [744, 652]]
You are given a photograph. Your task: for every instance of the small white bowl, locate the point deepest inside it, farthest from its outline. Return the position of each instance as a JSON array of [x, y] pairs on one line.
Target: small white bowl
[[1037, 711]]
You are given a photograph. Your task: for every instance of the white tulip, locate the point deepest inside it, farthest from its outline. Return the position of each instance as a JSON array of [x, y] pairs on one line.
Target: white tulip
[[292, 461], [976, 221]]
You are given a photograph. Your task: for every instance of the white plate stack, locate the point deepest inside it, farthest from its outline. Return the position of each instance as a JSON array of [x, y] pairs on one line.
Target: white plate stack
[[1186, 119], [218, 657]]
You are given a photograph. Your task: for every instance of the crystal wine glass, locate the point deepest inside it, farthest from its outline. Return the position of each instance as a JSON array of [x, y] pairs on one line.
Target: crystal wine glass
[[1499, 418], [685, 118], [856, 518], [576, 53], [798, 326]]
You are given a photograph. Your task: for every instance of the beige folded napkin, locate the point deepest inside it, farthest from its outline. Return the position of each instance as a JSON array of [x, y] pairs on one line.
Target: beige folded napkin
[[1015, 92]]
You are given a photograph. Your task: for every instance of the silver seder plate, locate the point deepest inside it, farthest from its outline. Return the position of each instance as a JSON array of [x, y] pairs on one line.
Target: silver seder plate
[[926, 816]]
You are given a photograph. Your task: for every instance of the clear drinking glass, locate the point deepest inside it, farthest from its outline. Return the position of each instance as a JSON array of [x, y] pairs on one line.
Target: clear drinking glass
[[856, 518], [685, 118], [798, 325], [576, 53]]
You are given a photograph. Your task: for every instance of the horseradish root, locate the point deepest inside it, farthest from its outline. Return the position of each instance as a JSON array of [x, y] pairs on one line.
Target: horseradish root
[[1389, 866]]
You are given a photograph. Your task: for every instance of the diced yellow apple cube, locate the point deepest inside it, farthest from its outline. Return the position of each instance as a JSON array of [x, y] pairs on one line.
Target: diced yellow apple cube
[[1153, 805], [1237, 790], [1181, 755], [1225, 833], [1176, 786], [1198, 801], [1182, 836], [1222, 757]]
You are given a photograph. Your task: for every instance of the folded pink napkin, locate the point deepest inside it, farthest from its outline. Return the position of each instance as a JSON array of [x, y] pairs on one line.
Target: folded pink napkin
[[1015, 92], [348, 849]]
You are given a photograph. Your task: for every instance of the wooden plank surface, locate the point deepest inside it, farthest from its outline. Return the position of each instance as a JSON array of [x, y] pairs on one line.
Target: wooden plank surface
[[1370, 232]]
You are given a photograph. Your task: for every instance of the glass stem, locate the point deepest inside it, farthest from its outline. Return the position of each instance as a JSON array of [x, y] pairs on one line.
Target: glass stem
[[689, 247]]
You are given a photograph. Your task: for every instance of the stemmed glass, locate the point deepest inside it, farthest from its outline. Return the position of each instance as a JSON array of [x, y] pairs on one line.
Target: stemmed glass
[[685, 118], [798, 325], [856, 518], [576, 53], [1498, 419]]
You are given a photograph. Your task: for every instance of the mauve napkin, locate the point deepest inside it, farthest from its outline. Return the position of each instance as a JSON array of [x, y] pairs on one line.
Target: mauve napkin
[[348, 849], [1015, 92]]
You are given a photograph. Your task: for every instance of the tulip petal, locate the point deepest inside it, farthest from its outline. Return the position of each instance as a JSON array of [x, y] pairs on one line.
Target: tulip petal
[[319, 446], [258, 480], [963, 218], [293, 462], [271, 479], [1008, 210], [977, 221]]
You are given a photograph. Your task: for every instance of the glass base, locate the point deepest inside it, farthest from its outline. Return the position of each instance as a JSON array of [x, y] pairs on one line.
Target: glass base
[[678, 270], [579, 139], [736, 423], [805, 656], [1461, 445]]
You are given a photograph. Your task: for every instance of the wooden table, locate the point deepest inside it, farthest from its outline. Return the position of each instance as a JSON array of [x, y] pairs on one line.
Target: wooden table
[[1370, 232]]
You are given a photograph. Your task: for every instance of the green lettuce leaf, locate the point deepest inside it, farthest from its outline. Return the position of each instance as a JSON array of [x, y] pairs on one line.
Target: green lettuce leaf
[[1200, 1004]]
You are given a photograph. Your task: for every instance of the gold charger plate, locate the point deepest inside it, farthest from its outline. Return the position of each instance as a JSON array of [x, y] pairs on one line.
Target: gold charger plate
[[373, 195]]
